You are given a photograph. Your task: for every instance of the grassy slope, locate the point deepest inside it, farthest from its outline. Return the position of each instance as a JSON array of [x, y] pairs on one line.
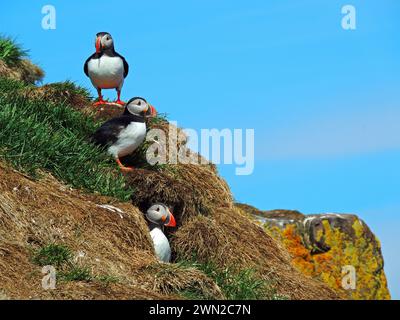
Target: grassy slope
[[58, 142], [41, 134], [37, 135]]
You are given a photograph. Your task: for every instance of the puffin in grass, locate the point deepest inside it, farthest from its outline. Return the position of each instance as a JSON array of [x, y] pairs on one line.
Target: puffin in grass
[[158, 217], [124, 134], [106, 68]]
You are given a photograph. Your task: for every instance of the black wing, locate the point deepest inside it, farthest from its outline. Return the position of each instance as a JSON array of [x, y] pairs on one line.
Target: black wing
[[126, 65], [108, 133], [85, 66]]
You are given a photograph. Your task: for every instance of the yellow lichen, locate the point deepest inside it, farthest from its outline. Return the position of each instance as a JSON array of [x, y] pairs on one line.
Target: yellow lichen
[[357, 252]]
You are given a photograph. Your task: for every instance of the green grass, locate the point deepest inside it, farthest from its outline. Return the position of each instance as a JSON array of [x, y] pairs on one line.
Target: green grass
[[11, 52], [53, 254], [105, 280], [40, 135], [76, 273], [61, 257], [10, 86], [160, 117], [235, 285]]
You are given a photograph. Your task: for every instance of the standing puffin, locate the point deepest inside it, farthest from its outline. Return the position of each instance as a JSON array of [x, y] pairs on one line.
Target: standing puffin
[[122, 135], [106, 68], [158, 216]]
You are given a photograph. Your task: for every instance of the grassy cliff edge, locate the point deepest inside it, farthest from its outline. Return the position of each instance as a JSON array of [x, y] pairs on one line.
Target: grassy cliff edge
[[64, 202]]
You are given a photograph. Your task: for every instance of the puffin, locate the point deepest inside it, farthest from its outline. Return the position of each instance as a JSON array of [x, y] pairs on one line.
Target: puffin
[[158, 217], [124, 134], [106, 68]]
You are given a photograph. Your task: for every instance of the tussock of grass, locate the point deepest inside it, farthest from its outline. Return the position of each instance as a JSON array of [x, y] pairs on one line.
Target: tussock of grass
[[72, 87], [53, 254], [159, 118], [60, 257], [59, 92], [10, 51], [181, 279], [235, 285], [14, 63], [76, 273], [40, 135]]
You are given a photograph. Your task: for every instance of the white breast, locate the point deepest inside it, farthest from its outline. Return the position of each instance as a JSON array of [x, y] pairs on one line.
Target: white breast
[[106, 72], [161, 245], [129, 139]]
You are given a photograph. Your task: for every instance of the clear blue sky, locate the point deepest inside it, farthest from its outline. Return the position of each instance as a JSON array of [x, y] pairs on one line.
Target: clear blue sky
[[324, 102]]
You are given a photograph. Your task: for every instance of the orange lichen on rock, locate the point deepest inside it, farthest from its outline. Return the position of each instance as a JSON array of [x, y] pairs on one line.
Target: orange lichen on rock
[[359, 250], [301, 256]]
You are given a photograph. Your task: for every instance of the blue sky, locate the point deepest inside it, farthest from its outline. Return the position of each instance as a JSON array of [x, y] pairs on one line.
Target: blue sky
[[324, 102]]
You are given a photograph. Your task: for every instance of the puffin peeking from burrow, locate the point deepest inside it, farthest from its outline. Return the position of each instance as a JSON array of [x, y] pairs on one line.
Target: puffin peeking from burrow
[[106, 68], [124, 134], [159, 216]]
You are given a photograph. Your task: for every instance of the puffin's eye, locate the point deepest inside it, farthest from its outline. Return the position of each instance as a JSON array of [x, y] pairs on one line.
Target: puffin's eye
[[158, 209], [140, 103]]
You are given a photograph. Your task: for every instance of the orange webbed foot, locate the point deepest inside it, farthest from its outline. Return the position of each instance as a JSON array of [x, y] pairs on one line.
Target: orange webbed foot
[[122, 167], [100, 102], [120, 102]]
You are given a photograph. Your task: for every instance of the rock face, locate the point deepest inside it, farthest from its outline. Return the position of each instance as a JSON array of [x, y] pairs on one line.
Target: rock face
[[324, 246]]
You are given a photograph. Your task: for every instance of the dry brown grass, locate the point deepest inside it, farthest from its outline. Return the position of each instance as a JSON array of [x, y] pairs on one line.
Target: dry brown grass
[[171, 277], [102, 112], [29, 73], [212, 228], [228, 238], [189, 190], [110, 243], [55, 94], [25, 71]]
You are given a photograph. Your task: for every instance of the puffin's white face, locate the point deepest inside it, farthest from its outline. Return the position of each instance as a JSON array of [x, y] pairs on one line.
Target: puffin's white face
[[139, 106], [161, 215], [103, 42]]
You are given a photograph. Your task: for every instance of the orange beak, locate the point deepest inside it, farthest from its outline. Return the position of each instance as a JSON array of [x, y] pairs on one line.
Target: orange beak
[[153, 111], [172, 222], [98, 44]]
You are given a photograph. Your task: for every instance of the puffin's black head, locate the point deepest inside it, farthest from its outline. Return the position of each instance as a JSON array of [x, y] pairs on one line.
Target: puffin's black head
[[139, 107], [104, 41], [160, 214]]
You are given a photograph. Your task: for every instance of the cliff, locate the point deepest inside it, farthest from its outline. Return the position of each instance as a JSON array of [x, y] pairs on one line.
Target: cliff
[[323, 246], [64, 203]]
